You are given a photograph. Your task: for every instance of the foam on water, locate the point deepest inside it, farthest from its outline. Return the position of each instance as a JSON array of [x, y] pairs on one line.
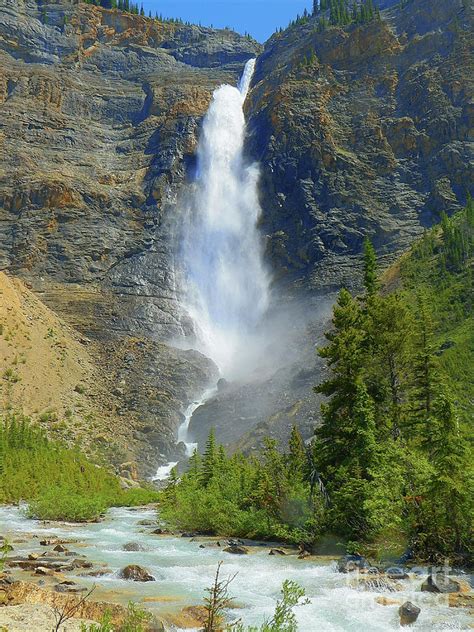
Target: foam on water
[[184, 571]]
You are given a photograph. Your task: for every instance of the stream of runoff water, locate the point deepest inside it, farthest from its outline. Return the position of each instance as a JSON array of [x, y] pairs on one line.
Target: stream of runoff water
[[183, 571]]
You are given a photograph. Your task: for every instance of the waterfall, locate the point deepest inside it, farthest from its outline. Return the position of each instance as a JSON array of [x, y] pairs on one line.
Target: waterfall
[[226, 286]]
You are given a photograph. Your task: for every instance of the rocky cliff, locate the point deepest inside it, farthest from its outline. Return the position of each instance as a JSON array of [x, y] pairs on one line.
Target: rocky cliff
[[362, 130], [99, 118], [365, 130]]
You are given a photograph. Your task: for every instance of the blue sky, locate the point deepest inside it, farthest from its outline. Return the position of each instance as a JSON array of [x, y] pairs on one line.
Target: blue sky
[[258, 17]]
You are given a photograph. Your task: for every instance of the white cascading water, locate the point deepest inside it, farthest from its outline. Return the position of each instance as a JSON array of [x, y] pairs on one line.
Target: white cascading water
[[226, 284]]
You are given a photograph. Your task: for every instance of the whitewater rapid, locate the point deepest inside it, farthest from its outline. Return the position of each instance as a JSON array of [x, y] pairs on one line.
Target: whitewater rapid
[[225, 283], [183, 571]]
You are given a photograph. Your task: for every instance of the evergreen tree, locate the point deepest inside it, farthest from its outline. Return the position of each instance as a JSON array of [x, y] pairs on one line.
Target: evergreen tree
[[389, 332], [297, 460], [210, 458], [425, 363], [345, 354], [447, 507], [370, 268]]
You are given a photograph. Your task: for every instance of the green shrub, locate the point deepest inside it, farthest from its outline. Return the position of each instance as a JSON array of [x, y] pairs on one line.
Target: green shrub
[[59, 503], [59, 481]]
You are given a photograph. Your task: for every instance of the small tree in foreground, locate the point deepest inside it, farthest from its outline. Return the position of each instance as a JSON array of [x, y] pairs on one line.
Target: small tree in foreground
[[283, 620]]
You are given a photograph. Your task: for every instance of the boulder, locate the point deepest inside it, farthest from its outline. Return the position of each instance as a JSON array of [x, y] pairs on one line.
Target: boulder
[[133, 546], [236, 550], [42, 570], [440, 583], [3, 597], [136, 573], [277, 552], [60, 548], [129, 470], [350, 563], [397, 573], [376, 583], [408, 613]]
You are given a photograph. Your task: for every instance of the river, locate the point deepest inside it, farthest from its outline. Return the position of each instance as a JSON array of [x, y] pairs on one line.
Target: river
[[183, 570]]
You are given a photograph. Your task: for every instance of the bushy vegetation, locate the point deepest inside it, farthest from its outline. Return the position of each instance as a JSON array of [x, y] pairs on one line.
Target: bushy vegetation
[[391, 459], [137, 620], [265, 497], [58, 482]]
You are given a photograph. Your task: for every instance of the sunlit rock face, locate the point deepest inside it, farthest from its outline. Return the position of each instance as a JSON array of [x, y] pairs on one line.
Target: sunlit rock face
[[100, 113], [361, 131]]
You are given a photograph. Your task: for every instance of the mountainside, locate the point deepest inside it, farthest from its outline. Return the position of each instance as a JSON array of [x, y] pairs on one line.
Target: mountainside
[[100, 112], [362, 130]]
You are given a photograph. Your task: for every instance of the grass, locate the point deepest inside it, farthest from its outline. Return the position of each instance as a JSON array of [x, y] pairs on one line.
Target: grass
[[58, 482]]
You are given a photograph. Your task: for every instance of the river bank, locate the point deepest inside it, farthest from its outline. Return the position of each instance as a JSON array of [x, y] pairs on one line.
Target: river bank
[[183, 568]]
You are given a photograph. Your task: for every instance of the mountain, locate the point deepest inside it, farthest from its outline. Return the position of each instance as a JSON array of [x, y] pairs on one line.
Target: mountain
[[361, 130]]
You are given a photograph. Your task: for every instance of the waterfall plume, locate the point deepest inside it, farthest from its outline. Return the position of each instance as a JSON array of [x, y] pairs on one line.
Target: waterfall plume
[[226, 285]]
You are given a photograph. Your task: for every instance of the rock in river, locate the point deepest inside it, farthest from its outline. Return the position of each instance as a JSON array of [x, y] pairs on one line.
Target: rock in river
[[136, 573], [440, 583], [408, 613], [236, 550], [133, 546]]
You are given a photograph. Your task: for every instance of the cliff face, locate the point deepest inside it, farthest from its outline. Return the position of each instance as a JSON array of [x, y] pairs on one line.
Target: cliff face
[[99, 118], [365, 130], [360, 131]]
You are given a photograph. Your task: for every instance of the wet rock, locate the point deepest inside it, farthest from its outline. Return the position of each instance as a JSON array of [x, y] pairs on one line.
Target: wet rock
[[440, 583], [461, 600], [33, 556], [350, 563], [81, 563], [146, 523], [408, 613], [133, 546], [236, 550], [396, 573], [43, 570], [64, 588], [59, 548], [136, 573], [376, 583], [277, 552], [100, 572]]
